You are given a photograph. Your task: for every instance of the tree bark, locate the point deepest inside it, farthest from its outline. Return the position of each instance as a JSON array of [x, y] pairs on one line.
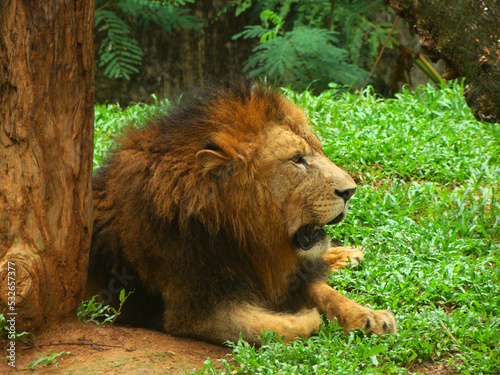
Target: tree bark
[[46, 145], [466, 35]]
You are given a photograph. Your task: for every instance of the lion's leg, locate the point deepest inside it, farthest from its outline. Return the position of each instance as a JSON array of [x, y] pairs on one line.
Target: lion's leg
[[251, 321], [350, 314], [341, 257]]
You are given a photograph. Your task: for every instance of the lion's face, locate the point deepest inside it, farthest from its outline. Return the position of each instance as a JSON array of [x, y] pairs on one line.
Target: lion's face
[[269, 169], [310, 189]]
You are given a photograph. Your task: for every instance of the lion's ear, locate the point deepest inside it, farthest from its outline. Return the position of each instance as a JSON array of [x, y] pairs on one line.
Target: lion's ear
[[215, 163]]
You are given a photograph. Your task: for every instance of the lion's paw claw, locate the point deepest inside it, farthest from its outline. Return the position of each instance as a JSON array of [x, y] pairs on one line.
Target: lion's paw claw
[[379, 322]]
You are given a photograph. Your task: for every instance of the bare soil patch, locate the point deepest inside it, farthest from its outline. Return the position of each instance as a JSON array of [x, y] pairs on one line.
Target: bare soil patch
[[434, 368], [113, 350]]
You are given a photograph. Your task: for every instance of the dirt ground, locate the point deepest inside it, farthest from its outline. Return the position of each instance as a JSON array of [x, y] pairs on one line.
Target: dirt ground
[[112, 350]]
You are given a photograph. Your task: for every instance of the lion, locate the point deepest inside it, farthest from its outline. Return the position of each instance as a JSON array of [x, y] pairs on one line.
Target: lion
[[214, 212]]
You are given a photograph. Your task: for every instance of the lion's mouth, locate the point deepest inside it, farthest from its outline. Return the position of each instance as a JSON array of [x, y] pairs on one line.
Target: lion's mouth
[[310, 234]]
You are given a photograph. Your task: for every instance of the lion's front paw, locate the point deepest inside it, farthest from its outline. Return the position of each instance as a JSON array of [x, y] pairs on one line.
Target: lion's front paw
[[379, 322], [341, 257]]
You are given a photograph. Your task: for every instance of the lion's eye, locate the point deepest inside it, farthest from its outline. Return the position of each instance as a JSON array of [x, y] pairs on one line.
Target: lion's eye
[[298, 159]]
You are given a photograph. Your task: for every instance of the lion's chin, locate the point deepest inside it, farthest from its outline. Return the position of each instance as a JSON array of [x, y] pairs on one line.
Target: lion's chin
[[337, 219]]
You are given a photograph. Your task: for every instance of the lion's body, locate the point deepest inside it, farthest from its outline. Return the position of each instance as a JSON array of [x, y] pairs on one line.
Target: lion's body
[[213, 212]]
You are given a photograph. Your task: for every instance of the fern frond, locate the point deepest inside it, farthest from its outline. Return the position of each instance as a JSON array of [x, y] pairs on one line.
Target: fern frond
[[269, 15], [167, 16], [303, 56], [251, 32], [120, 54]]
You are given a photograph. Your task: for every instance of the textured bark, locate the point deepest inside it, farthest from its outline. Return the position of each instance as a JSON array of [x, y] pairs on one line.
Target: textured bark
[[46, 143], [466, 35]]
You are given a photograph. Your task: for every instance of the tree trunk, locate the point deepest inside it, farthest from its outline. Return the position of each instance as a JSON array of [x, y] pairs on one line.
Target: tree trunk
[[466, 35], [46, 144]]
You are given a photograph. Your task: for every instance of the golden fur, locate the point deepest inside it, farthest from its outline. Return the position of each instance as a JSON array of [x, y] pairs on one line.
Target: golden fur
[[218, 208]]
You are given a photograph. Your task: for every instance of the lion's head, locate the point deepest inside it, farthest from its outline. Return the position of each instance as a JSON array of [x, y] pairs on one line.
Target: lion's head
[[282, 165]]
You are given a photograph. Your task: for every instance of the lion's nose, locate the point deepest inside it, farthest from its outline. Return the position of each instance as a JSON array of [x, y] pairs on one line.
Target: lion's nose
[[345, 194]]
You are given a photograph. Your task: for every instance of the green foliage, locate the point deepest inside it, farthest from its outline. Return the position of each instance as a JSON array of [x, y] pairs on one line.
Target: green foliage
[[47, 360], [119, 53], [427, 211], [116, 22], [111, 118], [308, 44], [95, 312]]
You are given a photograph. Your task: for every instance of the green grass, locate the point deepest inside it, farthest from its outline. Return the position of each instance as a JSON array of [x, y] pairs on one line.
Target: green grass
[[111, 118], [428, 213], [47, 360]]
